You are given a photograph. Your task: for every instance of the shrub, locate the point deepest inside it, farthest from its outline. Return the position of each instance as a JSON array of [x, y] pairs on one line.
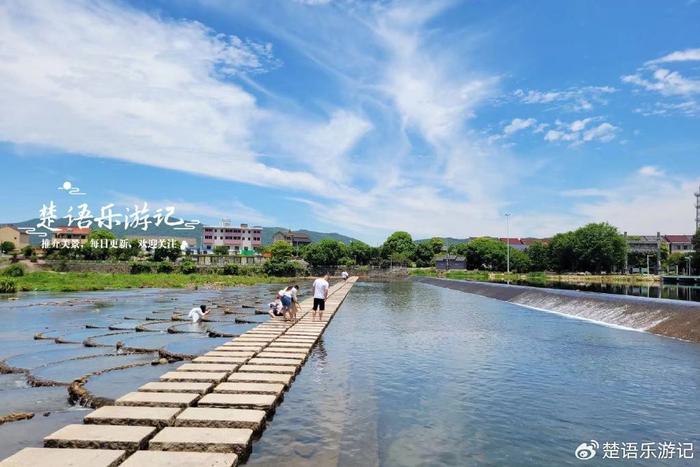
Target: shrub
[[28, 251], [8, 286], [165, 268], [140, 268], [231, 270], [7, 247], [15, 270], [250, 270], [284, 268], [33, 258], [188, 267], [61, 266]]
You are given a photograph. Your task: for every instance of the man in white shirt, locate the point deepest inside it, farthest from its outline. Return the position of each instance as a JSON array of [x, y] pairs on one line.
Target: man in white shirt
[[320, 295], [198, 313], [344, 275]]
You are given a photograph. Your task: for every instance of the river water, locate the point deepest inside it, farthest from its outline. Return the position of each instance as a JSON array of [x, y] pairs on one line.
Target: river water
[[413, 374], [407, 374]]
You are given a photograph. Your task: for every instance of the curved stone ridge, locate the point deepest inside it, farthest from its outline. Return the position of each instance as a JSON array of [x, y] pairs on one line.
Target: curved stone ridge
[[204, 413]]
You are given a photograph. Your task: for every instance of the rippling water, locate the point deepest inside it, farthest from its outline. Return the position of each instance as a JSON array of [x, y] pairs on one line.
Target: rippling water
[[412, 374]]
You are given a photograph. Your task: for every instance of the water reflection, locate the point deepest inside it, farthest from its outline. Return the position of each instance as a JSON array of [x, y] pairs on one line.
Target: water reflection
[[672, 292]]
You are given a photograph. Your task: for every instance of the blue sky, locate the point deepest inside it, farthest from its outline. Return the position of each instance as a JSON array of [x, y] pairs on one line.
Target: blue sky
[[357, 117]]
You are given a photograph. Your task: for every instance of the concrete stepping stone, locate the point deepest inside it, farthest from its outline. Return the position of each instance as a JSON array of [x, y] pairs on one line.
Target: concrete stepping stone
[[191, 387], [64, 457], [203, 367], [289, 344], [224, 353], [241, 344], [236, 351], [141, 416], [295, 362], [232, 359], [200, 439], [241, 401], [211, 417], [292, 350], [128, 438], [180, 459], [158, 399], [273, 354], [285, 369], [285, 379], [199, 376], [250, 388]]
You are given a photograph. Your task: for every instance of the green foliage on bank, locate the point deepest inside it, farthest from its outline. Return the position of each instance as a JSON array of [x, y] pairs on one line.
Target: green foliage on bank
[[79, 281]]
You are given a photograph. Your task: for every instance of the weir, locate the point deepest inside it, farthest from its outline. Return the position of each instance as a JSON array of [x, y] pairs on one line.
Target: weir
[[671, 318], [205, 413]]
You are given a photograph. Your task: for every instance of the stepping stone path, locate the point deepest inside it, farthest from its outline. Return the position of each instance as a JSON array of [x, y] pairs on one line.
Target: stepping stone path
[[203, 414]]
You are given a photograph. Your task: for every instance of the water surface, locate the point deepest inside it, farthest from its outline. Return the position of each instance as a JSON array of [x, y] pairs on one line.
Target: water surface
[[410, 374]]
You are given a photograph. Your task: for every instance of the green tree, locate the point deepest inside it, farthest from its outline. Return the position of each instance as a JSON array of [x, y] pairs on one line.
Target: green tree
[[97, 253], [27, 251], [561, 252], [281, 250], [172, 252], [599, 247], [436, 244], [458, 249], [423, 255], [519, 261], [486, 253], [221, 250], [360, 252], [539, 256], [399, 243], [7, 246], [325, 253], [696, 256]]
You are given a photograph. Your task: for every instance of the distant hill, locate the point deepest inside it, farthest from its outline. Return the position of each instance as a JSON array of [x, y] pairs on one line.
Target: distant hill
[[167, 231]]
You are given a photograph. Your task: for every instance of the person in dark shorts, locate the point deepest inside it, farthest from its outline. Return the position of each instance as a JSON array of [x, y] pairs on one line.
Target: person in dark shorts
[[320, 288]]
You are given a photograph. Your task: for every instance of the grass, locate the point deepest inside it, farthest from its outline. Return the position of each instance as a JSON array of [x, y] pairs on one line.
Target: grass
[[537, 277], [82, 281]]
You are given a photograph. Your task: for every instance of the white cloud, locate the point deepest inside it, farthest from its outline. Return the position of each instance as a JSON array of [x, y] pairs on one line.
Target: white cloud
[[667, 199], [650, 171], [104, 80], [518, 124], [678, 91], [665, 82], [579, 132], [232, 209], [686, 55], [572, 99]]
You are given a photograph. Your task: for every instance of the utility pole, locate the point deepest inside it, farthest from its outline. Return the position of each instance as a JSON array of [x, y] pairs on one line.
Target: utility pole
[[658, 253], [648, 272], [697, 210], [507, 242], [626, 253]]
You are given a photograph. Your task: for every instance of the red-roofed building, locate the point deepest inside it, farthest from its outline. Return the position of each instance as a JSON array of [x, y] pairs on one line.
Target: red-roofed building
[[514, 243], [530, 241], [679, 243], [71, 233]]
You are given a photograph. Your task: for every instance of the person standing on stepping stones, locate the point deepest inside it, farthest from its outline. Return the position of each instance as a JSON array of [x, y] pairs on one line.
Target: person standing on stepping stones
[[320, 295]]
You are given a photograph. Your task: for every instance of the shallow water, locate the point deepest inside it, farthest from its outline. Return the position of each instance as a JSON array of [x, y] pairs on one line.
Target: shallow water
[[106, 319], [412, 374]]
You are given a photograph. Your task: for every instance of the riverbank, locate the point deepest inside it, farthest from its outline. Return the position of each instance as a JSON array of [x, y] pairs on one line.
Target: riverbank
[[670, 318], [90, 281], [541, 278]]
